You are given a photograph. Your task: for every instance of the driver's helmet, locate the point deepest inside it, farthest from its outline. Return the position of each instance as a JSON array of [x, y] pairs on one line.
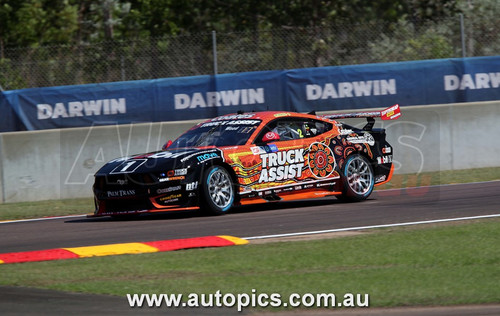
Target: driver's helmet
[[285, 131]]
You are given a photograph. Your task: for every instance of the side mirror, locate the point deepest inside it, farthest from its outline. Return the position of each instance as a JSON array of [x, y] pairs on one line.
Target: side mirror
[[270, 136], [167, 144]]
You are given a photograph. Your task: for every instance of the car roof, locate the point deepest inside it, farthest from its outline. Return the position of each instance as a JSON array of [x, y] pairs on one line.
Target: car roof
[[265, 116]]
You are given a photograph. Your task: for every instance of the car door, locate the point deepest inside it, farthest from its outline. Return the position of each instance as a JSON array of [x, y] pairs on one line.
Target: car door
[[285, 159]]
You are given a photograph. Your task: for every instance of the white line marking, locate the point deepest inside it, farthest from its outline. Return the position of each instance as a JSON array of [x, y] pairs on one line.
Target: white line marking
[[372, 227], [39, 219]]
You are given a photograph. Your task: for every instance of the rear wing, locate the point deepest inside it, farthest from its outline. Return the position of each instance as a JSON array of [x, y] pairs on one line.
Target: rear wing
[[391, 113]]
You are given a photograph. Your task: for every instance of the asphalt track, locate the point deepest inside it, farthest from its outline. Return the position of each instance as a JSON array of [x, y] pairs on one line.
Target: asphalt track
[[384, 207]]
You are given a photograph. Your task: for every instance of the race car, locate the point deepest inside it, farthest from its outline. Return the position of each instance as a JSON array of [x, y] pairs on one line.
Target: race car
[[250, 158]]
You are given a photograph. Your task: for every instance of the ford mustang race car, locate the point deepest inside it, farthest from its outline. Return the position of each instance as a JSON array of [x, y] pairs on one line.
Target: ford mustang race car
[[250, 158]]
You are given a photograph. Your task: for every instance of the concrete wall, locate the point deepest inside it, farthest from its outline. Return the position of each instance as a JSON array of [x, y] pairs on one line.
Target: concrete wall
[[444, 137], [55, 164]]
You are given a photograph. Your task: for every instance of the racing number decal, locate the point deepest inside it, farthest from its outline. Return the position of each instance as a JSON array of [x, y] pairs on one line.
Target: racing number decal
[[128, 166], [301, 135]]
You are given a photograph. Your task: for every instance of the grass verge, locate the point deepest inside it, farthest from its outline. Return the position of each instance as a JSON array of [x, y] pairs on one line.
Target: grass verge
[[24, 210], [432, 265]]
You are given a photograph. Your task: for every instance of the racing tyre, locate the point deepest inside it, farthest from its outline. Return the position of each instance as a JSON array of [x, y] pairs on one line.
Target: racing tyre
[[218, 191], [358, 179]]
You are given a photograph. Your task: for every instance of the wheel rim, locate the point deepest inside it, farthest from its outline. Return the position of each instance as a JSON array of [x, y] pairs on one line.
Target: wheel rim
[[220, 188], [359, 176]]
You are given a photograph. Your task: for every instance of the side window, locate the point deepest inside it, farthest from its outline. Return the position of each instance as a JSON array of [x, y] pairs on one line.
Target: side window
[[295, 128], [319, 127], [283, 127], [290, 129]]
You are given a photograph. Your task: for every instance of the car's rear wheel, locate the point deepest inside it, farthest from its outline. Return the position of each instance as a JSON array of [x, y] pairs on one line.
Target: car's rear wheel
[[358, 179], [218, 191]]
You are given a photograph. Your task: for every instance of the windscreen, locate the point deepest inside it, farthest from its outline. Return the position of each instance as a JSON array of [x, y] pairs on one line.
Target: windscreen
[[217, 133]]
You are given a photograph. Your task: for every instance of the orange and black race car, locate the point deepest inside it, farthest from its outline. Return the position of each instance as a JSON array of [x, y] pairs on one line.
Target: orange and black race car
[[249, 158]]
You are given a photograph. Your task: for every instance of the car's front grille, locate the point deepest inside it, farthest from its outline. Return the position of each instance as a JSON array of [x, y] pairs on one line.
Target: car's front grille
[[123, 181]]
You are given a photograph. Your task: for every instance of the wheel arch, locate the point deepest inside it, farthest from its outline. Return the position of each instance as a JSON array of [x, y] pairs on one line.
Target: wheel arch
[[348, 193], [232, 173], [371, 160]]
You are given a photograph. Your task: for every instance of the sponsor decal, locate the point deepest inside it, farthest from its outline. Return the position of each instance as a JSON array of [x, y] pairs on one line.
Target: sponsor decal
[[177, 172], [352, 89], [205, 157], [171, 198], [120, 193], [282, 114], [172, 178], [362, 139], [230, 123], [391, 113], [281, 165], [167, 154], [246, 189], [384, 159], [192, 186], [321, 160], [120, 182], [236, 97], [169, 189], [82, 108], [121, 159], [124, 212], [196, 153], [234, 117], [369, 139], [271, 136], [257, 150], [346, 131], [380, 179], [356, 139], [325, 184], [386, 150], [271, 148], [321, 193]]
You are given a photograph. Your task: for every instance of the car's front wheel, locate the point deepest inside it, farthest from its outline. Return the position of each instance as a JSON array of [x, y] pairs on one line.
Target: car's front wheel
[[358, 179], [218, 191]]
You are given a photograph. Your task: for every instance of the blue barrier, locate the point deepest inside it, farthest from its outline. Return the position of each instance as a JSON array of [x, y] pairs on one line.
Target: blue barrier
[[321, 89], [9, 121]]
